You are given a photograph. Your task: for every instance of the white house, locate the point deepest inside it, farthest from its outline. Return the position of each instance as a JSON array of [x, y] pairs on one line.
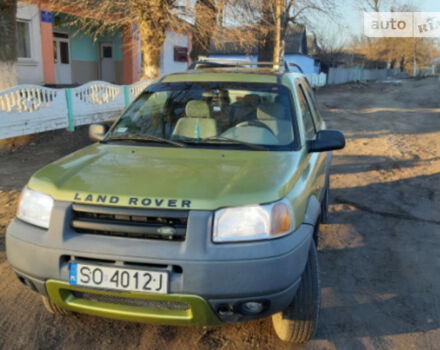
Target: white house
[[53, 53]]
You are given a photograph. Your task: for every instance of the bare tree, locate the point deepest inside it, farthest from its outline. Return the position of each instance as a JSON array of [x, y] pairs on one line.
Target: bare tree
[[408, 53], [148, 18], [155, 17], [206, 12], [246, 22], [286, 12], [373, 5], [266, 42], [331, 47], [8, 44]]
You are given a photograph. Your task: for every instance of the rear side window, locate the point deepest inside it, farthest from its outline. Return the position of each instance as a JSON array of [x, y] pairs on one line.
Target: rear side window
[[306, 112]]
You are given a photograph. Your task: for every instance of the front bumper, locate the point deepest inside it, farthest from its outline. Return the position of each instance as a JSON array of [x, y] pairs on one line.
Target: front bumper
[[219, 274], [176, 309]]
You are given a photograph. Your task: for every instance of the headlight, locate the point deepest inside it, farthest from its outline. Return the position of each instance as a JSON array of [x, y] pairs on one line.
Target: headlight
[[253, 222], [35, 207]]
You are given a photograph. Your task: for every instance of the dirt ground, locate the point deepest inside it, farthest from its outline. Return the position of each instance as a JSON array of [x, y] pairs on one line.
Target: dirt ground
[[379, 254]]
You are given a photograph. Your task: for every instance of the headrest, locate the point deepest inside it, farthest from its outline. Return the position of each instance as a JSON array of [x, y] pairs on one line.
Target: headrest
[[271, 111], [251, 100], [197, 109]]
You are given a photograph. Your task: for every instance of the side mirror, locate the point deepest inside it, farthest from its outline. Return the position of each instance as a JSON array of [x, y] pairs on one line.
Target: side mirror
[[326, 140], [97, 131]]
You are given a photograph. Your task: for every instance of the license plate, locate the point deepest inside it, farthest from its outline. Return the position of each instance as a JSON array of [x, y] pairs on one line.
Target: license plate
[[118, 278]]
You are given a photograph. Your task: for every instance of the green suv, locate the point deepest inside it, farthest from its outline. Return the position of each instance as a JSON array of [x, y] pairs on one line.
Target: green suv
[[199, 206]]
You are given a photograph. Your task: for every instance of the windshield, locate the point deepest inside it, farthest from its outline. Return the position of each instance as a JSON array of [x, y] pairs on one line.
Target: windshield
[[223, 114]]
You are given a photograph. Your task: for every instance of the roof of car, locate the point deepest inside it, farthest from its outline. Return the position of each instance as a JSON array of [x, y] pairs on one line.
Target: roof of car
[[236, 74]]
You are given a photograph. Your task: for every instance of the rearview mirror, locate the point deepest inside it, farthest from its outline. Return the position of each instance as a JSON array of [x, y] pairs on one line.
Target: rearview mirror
[[97, 131], [326, 140]]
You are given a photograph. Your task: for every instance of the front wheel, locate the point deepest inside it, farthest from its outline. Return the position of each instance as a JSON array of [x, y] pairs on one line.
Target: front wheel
[[298, 322]]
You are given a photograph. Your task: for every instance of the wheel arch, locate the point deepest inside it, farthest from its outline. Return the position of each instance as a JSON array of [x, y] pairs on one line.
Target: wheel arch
[[313, 211]]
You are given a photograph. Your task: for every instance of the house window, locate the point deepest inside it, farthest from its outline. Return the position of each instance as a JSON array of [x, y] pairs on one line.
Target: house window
[[180, 54], [23, 40], [107, 52], [64, 52]]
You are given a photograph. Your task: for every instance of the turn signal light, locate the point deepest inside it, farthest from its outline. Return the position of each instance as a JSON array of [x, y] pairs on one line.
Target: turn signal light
[[280, 219]]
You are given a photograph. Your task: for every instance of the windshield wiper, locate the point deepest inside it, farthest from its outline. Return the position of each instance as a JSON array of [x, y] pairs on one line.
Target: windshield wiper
[[146, 138], [238, 142]]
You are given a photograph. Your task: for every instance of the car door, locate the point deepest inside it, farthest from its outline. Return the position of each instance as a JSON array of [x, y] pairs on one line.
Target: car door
[[320, 125], [312, 122]]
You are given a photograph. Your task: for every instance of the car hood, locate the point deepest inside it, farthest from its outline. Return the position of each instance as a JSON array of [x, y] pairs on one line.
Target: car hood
[[167, 177]]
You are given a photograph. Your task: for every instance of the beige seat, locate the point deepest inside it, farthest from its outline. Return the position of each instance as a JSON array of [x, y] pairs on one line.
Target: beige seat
[[197, 123], [275, 116]]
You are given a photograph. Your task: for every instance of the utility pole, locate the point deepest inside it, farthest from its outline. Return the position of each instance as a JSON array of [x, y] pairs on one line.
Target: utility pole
[[277, 39]]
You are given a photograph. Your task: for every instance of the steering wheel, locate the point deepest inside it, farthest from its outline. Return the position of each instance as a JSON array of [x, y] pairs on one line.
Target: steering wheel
[[255, 123]]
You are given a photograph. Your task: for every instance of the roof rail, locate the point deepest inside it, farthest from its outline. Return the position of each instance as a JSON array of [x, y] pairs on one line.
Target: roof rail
[[223, 59], [223, 63], [297, 67]]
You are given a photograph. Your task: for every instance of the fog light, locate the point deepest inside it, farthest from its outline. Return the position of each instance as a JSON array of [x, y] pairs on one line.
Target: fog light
[[225, 310], [252, 307]]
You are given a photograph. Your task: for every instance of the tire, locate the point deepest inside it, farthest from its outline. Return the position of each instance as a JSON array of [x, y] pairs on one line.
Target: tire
[[53, 308], [299, 321], [324, 206], [316, 234]]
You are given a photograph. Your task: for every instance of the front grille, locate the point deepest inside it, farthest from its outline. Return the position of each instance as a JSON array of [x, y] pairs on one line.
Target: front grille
[[150, 304], [130, 222]]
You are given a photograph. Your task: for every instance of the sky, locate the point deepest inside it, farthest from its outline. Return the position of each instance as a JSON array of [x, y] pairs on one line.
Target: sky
[[348, 19]]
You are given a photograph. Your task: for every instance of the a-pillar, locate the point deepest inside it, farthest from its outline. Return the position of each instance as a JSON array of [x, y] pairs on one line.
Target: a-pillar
[[130, 54], [47, 50]]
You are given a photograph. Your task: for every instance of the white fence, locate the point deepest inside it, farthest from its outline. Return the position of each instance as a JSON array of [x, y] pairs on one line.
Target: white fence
[[29, 109], [317, 80], [346, 75]]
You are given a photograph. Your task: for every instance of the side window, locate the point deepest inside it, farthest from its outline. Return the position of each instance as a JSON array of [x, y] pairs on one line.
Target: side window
[[23, 40], [306, 112], [313, 104]]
